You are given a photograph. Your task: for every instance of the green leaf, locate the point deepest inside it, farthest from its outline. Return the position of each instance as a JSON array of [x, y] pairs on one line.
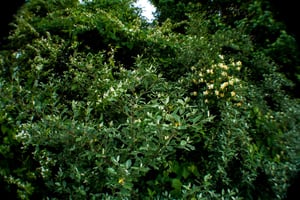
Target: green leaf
[[111, 171], [183, 143], [185, 172], [176, 184], [128, 164]]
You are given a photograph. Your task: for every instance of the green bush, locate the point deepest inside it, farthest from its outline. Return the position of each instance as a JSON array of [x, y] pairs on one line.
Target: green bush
[[190, 116]]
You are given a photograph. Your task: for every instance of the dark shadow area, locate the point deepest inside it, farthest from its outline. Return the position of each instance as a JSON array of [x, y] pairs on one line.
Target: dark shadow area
[[294, 189], [7, 11], [288, 12]]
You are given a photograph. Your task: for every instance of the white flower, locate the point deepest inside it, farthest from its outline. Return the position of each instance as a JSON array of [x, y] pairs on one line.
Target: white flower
[[137, 121], [205, 92], [209, 71], [210, 86], [238, 63], [223, 66]]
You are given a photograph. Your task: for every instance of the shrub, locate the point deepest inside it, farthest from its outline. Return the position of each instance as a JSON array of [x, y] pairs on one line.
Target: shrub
[[186, 118]]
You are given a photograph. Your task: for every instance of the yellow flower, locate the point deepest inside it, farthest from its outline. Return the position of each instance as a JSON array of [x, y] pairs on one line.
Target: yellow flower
[[224, 74], [223, 66], [217, 92], [239, 104], [194, 93], [233, 93], [121, 181], [206, 101], [205, 92], [177, 124], [224, 85], [236, 80]]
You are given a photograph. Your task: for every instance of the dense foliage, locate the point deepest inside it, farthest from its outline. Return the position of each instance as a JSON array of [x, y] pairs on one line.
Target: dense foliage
[[259, 19], [98, 104]]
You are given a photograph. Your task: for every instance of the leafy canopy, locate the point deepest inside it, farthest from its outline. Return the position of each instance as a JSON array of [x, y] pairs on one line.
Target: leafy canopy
[[98, 104]]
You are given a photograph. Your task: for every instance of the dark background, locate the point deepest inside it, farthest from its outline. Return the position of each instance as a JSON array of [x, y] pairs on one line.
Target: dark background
[[7, 10], [289, 13]]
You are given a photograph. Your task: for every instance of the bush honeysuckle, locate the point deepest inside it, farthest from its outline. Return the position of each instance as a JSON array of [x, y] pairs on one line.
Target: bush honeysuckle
[[96, 103], [221, 80]]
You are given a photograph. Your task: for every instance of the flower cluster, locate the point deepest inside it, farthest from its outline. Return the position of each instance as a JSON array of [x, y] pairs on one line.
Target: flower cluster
[[219, 81]]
